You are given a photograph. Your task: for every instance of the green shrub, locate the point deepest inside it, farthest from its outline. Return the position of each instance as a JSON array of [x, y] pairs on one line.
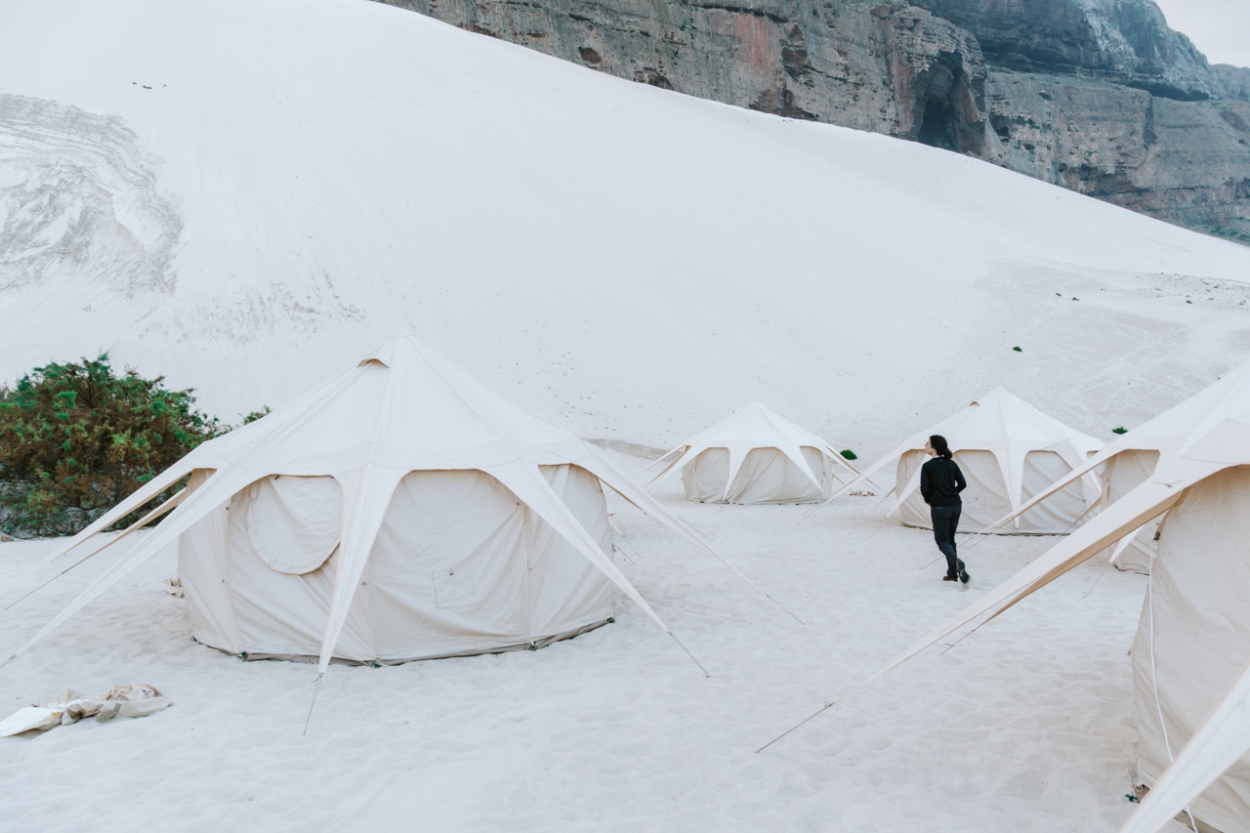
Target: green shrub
[[850, 455], [75, 439], [1120, 430], [255, 415]]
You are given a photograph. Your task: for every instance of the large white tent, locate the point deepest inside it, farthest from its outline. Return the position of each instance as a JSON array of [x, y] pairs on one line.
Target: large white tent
[[1191, 654], [402, 509], [1008, 451], [756, 456], [1129, 459]]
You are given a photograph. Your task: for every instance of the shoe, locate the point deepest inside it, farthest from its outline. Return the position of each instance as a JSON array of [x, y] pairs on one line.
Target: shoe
[[950, 578], [964, 577]]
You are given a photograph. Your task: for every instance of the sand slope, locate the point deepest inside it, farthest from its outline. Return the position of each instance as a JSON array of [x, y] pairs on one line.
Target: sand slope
[[247, 196]]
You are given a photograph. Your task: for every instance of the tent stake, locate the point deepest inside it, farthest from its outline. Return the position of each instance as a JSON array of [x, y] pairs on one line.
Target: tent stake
[[316, 689], [687, 650], [813, 716]]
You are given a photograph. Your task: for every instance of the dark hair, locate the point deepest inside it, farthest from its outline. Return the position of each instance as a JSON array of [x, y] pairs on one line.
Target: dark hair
[[939, 445]]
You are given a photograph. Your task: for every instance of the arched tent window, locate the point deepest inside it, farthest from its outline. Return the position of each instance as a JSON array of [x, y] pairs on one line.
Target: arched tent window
[[293, 523]]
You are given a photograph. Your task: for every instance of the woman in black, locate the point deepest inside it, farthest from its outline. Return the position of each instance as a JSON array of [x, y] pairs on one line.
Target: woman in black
[[941, 481]]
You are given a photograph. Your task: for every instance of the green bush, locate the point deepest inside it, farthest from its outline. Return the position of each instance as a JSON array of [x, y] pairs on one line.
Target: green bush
[[850, 455], [1120, 430], [75, 439]]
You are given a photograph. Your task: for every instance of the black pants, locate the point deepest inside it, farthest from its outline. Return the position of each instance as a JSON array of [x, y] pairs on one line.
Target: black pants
[[945, 522]]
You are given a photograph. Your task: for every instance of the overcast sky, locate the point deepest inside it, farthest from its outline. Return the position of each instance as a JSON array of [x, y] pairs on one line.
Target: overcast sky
[[1220, 28]]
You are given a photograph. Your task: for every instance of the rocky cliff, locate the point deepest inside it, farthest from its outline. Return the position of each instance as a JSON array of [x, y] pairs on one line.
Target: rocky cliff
[[1096, 95]]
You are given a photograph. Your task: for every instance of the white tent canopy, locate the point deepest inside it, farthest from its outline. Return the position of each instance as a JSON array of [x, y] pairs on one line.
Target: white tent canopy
[[1191, 653], [1131, 458], [340, 512], [757, 456], [1008, 451]]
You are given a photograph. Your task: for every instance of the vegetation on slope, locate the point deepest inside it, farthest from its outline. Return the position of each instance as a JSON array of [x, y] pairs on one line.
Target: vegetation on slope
[[75, 439]]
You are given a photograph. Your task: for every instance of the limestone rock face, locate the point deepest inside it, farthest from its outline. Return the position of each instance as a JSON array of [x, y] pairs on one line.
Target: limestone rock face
[[1125, 41], [1096, 95], [888, 68]]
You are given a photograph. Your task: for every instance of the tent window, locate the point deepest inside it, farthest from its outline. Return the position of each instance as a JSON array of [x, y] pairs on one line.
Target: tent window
[[293, 523]]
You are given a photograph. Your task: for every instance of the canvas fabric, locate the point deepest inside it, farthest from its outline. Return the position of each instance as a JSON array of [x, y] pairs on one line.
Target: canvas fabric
[[1008, 451], [1201, 633], [1123, 473], [756, 456], [766, 476], [459, 566]]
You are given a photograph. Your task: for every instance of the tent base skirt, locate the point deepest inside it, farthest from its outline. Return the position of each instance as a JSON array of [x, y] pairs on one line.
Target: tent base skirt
[[529, 645]]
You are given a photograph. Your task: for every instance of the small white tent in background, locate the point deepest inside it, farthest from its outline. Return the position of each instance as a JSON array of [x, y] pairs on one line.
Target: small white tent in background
[[1130, 459], [1008, 451], [756, 456], [401, 510], [1191, 655]]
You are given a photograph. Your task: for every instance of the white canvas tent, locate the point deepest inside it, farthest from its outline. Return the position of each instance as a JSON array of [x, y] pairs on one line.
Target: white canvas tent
[[756, 456], [1191, 655], [1129, 459], [1008, 451], [402, 509]]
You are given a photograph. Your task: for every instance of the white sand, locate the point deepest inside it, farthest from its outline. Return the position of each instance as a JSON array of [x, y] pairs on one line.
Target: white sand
[[1025, 725]]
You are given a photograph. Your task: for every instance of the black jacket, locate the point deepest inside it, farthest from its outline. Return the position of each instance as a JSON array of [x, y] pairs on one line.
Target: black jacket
[[941, 481]]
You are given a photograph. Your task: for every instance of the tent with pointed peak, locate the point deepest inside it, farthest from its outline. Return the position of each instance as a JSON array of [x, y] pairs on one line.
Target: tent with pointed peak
[[1191, 653], [403, 509], [1131, 458], [756, 456], [1008, 451]]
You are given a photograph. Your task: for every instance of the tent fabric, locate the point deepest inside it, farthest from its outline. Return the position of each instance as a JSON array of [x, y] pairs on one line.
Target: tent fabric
[[1123, 473], [765, 476], [1200, 635], [459, 566], [1221, 742], [294, 523], [1201, 579], [1007, 450], [1162, 438], [402, 410], [756, 456]]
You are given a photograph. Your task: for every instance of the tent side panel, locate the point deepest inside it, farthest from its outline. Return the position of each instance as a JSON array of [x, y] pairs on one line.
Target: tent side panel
[[985, 499], [280, 613], [769, 476], [1201, 634], [1059, 513], [447, 573], [913, 511], [566, 590], [1123, 474], [703, 478], [202, 570], [766, 476]]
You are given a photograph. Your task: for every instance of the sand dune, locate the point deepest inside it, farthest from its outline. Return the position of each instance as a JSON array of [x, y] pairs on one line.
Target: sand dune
[[634, 262]]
